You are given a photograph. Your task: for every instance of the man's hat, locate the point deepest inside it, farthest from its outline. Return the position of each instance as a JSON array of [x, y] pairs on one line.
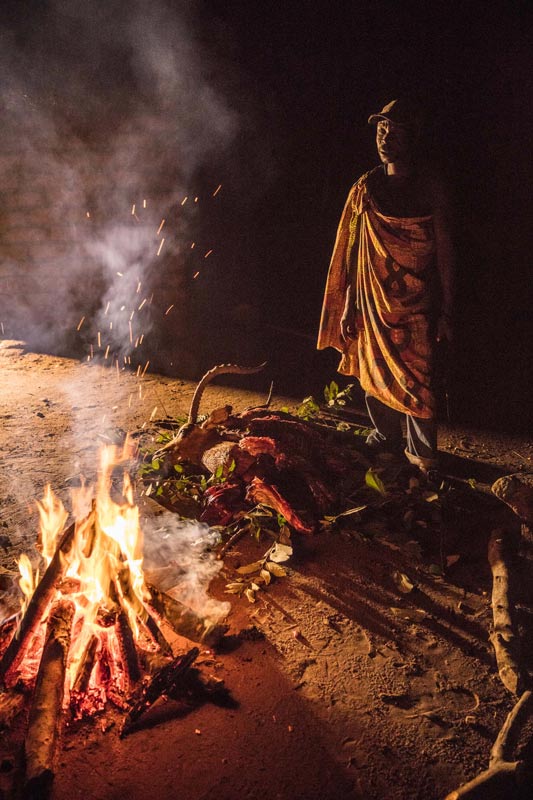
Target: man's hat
[[403, 111]]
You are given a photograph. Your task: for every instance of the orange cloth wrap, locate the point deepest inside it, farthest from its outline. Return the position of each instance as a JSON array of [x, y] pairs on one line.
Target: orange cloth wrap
[[391, 259]]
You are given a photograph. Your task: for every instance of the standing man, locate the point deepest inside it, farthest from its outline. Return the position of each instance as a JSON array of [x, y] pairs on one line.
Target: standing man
[[389, 289]]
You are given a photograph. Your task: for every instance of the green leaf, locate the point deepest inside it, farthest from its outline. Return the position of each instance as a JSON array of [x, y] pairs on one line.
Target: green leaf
[[156, 463], [434, 569], [373, 481], [178, 468], [362, 432], [159, 491], [232, 466], [472, 482]]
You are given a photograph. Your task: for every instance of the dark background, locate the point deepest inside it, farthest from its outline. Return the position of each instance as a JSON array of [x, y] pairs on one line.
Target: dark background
[[313, 73], [302, 78]]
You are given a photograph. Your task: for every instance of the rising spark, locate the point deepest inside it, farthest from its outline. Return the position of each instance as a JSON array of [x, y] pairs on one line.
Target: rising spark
[[133, 210], [152, 415], [144, 203], [131, 332], [120, 274], [195, 275], [160, 227], [107, 307], [169, 309], [217, 190], [138, 289], [142, 304], [80, 323], [107, 351], [183, 201], [208, 253], [161, 245], [145, 368], [99, 339]]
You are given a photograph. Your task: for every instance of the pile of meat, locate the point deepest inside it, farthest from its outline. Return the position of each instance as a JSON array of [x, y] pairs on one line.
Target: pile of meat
[[296, 467]]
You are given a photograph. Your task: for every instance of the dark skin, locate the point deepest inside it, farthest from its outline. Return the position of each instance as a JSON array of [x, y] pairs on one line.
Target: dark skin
[[402, 191]]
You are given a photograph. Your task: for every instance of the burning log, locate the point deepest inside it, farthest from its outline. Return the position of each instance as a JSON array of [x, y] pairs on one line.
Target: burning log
[[165, 682], [184, 621], [128, 652], [86, 666], [40, 601], [48, 699]]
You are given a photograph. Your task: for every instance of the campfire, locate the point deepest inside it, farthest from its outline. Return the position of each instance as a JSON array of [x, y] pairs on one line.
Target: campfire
[[92, 630]]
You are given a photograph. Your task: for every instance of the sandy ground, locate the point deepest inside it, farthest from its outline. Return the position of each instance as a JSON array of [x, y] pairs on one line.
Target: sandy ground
[[342, 685]]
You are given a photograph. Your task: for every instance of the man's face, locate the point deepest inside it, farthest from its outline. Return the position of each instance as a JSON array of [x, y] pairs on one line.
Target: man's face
[[393, 141]]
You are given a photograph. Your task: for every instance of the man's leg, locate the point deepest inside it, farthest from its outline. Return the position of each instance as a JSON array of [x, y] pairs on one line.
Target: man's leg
[[387, 433], [422, 442]]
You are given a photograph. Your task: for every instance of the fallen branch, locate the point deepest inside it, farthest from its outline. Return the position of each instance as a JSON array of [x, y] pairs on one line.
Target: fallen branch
[[47, 701], [503, 637], [503, 777]]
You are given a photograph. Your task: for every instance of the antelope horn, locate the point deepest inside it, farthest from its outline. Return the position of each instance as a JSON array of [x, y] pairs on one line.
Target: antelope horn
[[221, 369]]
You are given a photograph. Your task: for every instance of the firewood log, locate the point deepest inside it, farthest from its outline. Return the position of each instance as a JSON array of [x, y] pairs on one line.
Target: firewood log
[[39, 602], [44, 720], [184, 621], [503, 637]]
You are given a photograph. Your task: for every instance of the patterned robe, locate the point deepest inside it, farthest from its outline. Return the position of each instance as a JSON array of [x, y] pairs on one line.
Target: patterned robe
[[392, 260]]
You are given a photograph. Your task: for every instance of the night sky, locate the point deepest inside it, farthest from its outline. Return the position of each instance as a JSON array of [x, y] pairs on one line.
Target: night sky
[[300, 79]]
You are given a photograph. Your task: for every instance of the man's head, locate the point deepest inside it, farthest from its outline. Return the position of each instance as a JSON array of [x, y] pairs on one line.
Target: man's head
[[397, 130]]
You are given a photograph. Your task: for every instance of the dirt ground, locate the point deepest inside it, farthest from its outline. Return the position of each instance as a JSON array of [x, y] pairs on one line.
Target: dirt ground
[[343, 686]]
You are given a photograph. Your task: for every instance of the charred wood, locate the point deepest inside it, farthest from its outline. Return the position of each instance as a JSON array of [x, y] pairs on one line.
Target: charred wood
[[165, 682]]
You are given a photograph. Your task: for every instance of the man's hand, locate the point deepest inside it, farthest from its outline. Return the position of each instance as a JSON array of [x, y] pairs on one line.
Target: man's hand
[[348, 326], [444, 328]]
